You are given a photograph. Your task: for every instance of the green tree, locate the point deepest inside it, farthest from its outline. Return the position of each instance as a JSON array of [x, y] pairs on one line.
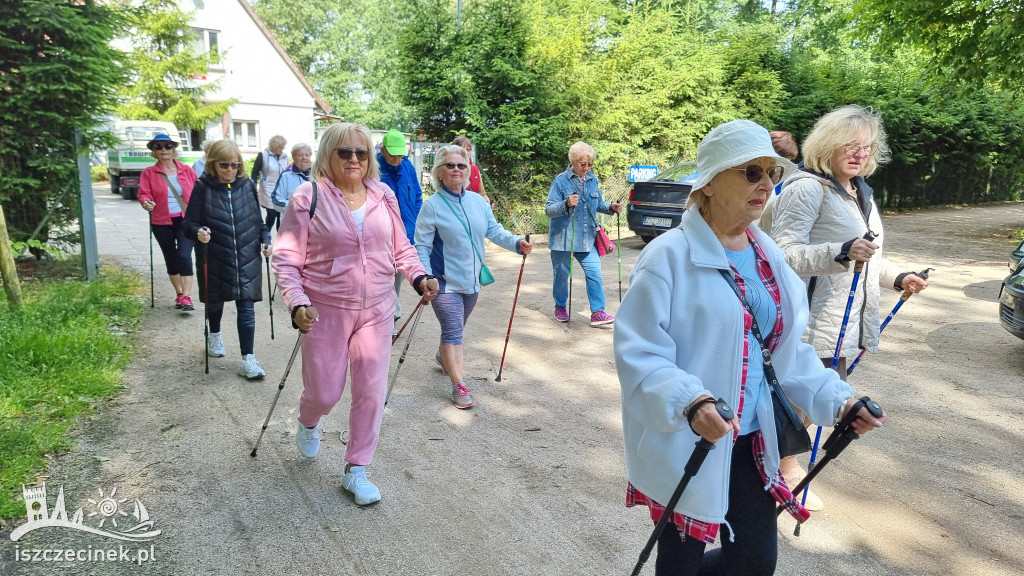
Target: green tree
[[58, 73], [973, 40], [349, 53], [167, 68]]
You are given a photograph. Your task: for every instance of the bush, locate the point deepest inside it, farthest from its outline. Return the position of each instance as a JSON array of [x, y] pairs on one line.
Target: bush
[[99, 173]]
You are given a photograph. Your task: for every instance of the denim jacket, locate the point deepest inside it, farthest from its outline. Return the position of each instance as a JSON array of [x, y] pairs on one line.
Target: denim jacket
[[562, 236]]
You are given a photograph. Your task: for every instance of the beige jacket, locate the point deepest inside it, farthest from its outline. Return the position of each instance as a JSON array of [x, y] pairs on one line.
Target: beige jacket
[[810, 220]]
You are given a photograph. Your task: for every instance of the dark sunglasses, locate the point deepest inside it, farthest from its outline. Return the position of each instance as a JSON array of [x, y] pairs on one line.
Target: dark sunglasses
[[755, 173], [453, 166], [165, 146], [226, 165], [347, 153]]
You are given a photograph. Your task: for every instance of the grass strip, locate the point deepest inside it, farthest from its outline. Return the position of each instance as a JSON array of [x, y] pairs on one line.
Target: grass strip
[[58, 359]]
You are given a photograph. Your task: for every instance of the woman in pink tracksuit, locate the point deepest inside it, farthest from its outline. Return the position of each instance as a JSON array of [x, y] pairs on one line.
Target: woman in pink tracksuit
[[338, 249]]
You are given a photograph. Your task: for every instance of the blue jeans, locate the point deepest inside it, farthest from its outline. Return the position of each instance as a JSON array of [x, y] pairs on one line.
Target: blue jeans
[[591, 263], [245, 321]]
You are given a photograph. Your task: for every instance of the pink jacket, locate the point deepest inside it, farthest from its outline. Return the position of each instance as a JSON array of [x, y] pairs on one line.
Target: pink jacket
[[328, 260], [152, 186]]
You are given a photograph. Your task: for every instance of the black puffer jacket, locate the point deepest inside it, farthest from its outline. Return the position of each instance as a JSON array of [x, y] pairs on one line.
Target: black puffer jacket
[[232, 213]]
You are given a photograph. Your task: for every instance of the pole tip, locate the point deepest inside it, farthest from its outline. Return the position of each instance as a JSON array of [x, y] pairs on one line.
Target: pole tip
[[253, 453], [796, 532], [498, 379]]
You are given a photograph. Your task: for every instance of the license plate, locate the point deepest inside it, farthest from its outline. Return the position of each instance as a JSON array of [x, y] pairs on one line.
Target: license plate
[[652, 221]]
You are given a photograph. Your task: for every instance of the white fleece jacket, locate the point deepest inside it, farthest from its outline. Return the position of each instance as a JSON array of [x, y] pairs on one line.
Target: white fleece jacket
[[679, 335]]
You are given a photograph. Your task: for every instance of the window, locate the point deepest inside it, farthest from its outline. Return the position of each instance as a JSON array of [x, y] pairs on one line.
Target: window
[[244, 133], [207, 42]]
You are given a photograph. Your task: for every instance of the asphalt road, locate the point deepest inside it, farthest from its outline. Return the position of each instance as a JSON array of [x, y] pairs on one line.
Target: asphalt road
[[532, 479]]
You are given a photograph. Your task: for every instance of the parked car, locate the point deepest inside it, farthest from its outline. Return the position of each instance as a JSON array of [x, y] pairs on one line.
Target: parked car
[[1011, 302], [1017, 255], [656, 205]]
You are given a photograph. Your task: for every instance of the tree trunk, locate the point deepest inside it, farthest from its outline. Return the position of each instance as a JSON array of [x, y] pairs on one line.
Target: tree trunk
[[8, 271]]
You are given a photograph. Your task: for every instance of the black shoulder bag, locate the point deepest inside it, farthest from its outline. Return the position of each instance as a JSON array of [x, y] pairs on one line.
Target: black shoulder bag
[[792, 435]]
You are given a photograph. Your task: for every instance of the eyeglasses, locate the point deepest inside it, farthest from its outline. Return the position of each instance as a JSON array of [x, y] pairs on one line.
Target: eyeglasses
[[347, 153], [755, 173], [164, 146], [453, 166], [854, 149], [231, 165]]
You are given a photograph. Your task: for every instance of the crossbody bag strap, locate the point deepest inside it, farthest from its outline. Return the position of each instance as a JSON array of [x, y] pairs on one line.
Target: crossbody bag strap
[[312, 202], [464, 227], [175, 192], [766, 355]]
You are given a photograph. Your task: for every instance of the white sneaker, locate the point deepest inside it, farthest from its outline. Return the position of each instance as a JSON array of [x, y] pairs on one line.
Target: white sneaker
[[307, 439], [394, 331], [355, 482], [250, 368], [215, 345]]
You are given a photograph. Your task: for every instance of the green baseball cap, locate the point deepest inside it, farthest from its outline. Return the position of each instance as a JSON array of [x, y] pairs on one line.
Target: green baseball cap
[[394, 143]]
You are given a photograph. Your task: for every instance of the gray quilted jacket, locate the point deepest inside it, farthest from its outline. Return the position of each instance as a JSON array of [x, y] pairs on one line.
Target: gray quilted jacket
[[810, 220]]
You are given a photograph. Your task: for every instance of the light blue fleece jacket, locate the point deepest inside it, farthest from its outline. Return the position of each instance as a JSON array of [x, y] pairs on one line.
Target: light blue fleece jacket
[[679, 335], [443, 245]]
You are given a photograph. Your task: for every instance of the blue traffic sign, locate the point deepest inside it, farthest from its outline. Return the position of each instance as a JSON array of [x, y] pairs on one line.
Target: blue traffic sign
[[638, 173]]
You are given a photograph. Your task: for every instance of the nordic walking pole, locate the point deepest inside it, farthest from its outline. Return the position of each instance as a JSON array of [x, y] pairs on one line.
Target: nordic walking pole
[[689, 471], [857, 269], [903, 298], [401, 359], [270, 299], [206, 305], [152, 293], [402, 329], [311, 313], [618, 231], [572, 253], [841, 437], [514, 301]]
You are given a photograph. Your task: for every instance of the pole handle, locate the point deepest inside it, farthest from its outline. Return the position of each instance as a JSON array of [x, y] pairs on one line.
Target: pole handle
[[311, 312]]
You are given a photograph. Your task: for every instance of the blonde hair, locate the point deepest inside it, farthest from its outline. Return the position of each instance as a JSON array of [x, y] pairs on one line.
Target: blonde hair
[[581, 149], [440, 157], [837, 129], [277, 139], [223, 151], [329, 141]]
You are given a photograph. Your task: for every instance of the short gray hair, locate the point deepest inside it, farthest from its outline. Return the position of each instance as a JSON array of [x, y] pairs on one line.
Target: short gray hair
[[581, 149], [440, 157], [300, 146]]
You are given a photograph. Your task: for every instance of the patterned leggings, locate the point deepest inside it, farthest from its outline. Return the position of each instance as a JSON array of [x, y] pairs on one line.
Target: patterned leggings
[[452, 310]]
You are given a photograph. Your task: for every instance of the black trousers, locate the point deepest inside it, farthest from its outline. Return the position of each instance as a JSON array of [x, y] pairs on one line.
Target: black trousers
[[177, 249], [273, 219], [752, 517]]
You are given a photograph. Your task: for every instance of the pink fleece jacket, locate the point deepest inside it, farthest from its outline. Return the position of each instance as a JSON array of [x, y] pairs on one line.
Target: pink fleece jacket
[[329, 261], [152, 186]]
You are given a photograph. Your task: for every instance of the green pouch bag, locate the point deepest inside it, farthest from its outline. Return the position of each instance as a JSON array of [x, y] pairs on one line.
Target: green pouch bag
[[485, 275]]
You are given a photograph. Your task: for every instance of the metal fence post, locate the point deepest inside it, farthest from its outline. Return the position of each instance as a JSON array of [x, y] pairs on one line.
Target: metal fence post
[[87, 214]]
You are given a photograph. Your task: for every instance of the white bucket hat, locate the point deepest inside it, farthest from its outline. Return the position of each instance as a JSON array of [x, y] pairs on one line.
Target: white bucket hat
[[732, 144]]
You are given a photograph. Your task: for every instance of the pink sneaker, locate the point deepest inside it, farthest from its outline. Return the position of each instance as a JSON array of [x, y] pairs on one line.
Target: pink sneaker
[[560, 314], [177, 301], [186, 303], [600, 318]]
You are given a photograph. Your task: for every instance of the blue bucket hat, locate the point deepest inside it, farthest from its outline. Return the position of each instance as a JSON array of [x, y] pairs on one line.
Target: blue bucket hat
[[160, 138]]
